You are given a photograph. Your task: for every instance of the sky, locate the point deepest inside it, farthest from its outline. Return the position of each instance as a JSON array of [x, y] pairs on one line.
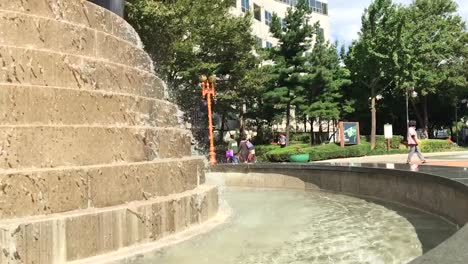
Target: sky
[[345, 17]]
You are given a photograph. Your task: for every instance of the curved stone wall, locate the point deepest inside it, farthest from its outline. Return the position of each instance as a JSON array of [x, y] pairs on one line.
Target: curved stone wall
[[431, 193], [91, 155]]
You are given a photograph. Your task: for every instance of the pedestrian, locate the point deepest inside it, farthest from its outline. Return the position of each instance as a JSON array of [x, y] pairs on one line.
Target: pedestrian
[[243, 153], [232, 148], [282, 140], [251, 156], [413, 142]]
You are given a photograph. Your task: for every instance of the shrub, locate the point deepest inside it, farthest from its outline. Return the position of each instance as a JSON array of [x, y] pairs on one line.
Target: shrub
[[322, 152], [262, 150], [381, 142], [282, 154], [275, 153], [435, 145], [302, 137]]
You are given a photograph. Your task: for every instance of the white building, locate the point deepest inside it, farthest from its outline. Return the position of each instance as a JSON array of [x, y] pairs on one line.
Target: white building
[[262, 11]]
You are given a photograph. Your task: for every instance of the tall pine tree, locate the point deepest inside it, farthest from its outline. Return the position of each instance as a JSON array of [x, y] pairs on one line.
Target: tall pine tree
[[294, 40], [321, 97]]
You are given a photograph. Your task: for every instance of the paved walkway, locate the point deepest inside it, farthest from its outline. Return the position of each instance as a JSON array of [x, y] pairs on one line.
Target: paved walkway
[[456, 159]]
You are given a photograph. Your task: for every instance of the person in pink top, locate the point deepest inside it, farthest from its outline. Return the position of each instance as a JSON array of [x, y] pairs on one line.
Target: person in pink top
[[413, 142]]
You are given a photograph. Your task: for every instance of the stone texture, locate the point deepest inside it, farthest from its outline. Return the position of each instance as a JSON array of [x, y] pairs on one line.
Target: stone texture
[[53, 146], [78, 12], [40, 192], [32, 105], [142, 181], [115, 50], [36, 193], [45, 33], [92, 232], [21, 66], [91, 159]]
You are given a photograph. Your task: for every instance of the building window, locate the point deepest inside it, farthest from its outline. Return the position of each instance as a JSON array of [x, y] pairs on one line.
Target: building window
[[267, 18], [269, 45], [324, 9], [257, 12], [283, 23], [314, 5], [259, 42], [318, 7], [245, 6], [321, 32]]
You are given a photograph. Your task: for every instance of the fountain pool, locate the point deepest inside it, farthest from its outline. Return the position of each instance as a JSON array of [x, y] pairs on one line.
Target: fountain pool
[[285, 226]]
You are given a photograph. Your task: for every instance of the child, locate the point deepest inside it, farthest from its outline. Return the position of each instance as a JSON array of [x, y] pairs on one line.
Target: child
[[232, 148]]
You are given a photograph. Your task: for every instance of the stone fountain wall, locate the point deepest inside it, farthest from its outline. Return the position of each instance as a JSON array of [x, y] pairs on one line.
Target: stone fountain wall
[[91, 156]]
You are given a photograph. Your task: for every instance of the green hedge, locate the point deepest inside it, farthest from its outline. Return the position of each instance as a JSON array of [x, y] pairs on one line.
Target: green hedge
[[261, 150], [275, 153], [435, 145], [322, 152], [381, 142], [279, 154]]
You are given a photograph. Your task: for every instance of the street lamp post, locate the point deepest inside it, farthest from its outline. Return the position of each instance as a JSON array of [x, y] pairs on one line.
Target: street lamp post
[[208, 91], [409, 92]]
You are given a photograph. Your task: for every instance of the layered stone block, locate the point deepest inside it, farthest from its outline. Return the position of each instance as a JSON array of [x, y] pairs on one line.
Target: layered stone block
[[91, 156], [21, 105], [71, 236], [47, 34], [22, 66], [48, 191], [77, 12], [53, 146]]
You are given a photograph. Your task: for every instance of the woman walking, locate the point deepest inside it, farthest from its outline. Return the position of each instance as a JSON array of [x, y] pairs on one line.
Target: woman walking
[[413, 142]]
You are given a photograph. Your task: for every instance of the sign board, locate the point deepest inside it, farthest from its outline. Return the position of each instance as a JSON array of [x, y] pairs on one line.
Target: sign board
[[349, 133], [388, 131]]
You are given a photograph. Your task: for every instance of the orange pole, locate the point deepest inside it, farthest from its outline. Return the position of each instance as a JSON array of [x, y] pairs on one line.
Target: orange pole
[[210, 129]]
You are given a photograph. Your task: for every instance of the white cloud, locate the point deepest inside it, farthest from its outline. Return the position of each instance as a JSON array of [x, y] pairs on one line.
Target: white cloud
[[345, 17]]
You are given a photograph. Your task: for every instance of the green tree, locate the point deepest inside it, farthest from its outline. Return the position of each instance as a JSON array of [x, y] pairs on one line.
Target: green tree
[[434, 49], [321, 98], [188, 38], [294, 40], [372, 58]]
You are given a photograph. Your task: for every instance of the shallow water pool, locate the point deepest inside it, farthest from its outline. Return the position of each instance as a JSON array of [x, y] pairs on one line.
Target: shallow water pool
[[277, 226]]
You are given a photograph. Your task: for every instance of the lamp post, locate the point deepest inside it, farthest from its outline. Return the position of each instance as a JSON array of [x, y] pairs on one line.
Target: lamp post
[[413, 95], [208, 90]]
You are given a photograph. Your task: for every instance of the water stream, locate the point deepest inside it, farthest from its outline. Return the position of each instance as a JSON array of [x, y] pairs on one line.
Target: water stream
[[278, 226]]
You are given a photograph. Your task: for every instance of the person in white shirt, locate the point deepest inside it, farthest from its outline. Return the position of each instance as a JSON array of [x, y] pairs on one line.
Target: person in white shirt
[[413, 142]]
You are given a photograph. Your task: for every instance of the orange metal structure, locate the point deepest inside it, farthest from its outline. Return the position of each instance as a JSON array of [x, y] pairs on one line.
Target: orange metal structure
[[209, 91]]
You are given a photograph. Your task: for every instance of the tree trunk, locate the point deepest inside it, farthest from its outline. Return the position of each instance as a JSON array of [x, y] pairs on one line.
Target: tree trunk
[[320, 131], [288, 116], [311, 121], [334, 130], [373, 121], [305, 124], [221, 130], [419, 117], [241, 120], [426, 118]]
